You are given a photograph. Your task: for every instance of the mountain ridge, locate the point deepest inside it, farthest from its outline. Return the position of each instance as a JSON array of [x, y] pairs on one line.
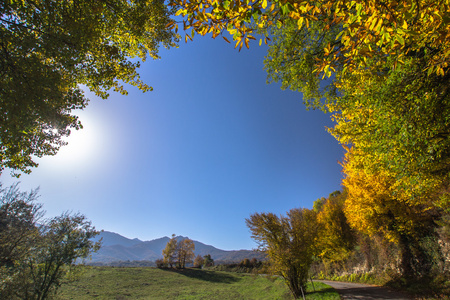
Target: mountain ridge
[[117, 248]]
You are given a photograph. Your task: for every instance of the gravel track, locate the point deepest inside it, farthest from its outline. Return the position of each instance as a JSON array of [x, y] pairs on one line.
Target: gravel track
[[359, 291]]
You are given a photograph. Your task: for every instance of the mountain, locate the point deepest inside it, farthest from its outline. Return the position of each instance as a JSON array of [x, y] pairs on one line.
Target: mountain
[[111, 238], [119, 248]]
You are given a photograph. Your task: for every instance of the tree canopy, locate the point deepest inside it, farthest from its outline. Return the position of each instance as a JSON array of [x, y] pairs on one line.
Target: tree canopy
[[365, 28], [336, 239], [37, 253], [178, 252], [289, 242], [49, 49], [185, 252], [170, 251]]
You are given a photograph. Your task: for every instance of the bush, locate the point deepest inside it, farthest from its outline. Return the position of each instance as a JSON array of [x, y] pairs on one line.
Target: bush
[[161, 264]]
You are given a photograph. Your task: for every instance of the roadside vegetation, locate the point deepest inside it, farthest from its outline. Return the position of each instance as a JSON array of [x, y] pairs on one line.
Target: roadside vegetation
[[322, 243]]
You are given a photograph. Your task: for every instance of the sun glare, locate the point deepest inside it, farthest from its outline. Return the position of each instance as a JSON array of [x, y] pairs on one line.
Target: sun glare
[[82, 148], [81, 145]]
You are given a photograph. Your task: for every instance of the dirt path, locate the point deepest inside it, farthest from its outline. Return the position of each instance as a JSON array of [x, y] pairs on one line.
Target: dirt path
[[363, 291]]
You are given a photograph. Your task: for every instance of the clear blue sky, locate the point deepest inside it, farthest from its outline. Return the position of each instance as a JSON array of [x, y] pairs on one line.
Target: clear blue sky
[[212, 144]]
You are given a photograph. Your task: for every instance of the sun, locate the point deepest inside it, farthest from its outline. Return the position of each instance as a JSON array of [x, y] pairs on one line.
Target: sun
[[82, 146]]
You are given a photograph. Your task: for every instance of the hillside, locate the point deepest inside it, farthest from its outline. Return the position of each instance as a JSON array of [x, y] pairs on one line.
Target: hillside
[[119, 248]]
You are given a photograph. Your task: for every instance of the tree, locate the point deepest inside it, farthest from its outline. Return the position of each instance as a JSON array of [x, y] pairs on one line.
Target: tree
[[395, 119], [35, 257], [18, 229], [170, 251], [289, 242], [208, 261], [18, 233], [63, 240], [49, 48], [365, 28], [198, 261], [374, 206], [385, 57], [178, 252], [398, 122], [185, 252], [336, 238], [160, 263]]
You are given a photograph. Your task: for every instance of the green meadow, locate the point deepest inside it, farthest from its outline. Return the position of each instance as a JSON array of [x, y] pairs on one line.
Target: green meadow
[[153, 283]]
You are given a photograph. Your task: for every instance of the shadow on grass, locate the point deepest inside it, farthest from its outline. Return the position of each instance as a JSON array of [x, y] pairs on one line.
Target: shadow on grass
[[323, 293], [205, 275]]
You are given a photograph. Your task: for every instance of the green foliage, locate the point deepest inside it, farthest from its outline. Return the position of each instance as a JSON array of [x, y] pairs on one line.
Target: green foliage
[[398, 121], [49, 48], [318, 204], [292, 56], [208, 261], [36, 256], [245, 266]]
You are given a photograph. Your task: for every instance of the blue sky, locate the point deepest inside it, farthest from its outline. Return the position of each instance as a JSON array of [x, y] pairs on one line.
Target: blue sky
[[212, 144]]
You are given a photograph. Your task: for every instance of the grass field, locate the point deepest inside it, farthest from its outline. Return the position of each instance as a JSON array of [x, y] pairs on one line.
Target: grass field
[[152, 283]]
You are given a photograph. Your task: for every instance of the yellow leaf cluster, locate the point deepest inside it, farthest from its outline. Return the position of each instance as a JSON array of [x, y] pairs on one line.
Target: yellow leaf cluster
[[369, 28]]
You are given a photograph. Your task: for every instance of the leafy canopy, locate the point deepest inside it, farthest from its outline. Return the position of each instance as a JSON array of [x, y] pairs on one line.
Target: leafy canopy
[[49, 48], [366, 28], [289, 242], [36, 254]]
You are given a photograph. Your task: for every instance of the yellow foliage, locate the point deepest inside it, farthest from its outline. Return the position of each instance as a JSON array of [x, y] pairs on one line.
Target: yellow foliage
[[336, 239], [369, 28], [376, 204]]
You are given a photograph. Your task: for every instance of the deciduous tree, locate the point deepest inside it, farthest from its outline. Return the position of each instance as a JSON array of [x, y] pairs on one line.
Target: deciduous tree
[[397, 121], [185, 252], [50, 48], [375, 206], [365, 29], [336, 238], [35, 257], [289, 242], [170, 251], [18, 229], [208, 261], [198, 261]]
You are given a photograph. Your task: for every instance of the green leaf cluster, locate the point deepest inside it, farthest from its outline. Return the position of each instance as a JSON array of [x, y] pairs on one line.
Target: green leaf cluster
[[37, 254]]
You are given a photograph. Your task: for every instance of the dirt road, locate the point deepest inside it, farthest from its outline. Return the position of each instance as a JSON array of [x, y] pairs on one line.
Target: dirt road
[[363, 291]]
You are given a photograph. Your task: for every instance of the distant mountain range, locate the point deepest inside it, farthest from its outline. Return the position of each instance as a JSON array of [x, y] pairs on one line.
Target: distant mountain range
[[117, 248]]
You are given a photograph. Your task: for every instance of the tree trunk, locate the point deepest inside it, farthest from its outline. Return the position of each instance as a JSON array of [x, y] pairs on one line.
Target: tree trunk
[[406, 257]]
